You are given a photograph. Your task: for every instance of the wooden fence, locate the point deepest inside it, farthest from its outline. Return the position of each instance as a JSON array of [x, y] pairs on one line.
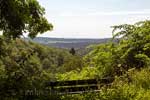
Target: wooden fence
[[79, 86]]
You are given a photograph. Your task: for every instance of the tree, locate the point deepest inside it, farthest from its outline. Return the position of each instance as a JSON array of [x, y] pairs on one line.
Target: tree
[[22, 16], [72, 51], [134, 46], [131, 51]]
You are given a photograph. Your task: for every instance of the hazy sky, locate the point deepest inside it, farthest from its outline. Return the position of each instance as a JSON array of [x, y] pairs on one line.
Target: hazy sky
[[92, 18]]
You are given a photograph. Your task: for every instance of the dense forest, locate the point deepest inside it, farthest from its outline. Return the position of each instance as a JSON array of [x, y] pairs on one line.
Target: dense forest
[[25, 65]]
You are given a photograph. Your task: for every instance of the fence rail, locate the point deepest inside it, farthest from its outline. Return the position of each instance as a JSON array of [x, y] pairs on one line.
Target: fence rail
[[79, 86]]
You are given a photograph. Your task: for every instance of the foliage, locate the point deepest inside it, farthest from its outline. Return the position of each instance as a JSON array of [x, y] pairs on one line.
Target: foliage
[[26, 66], [72, 51], [126, 59], [20, 71], [133, 47], [73, 63], [22, 16], [85, 73], [121, 89], [101, 58], [130, 50]]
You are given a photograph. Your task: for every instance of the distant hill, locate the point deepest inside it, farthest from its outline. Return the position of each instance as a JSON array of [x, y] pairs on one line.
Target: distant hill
[[68, 42]]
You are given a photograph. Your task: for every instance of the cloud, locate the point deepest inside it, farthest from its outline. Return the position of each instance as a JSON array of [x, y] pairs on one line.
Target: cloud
[[114, 13], [121, 13]]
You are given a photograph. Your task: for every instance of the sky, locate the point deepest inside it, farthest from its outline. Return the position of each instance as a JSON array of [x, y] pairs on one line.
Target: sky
[[92, 18]]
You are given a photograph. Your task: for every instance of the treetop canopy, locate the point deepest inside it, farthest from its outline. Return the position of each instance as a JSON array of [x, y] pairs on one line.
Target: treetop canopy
[[22, 16]]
